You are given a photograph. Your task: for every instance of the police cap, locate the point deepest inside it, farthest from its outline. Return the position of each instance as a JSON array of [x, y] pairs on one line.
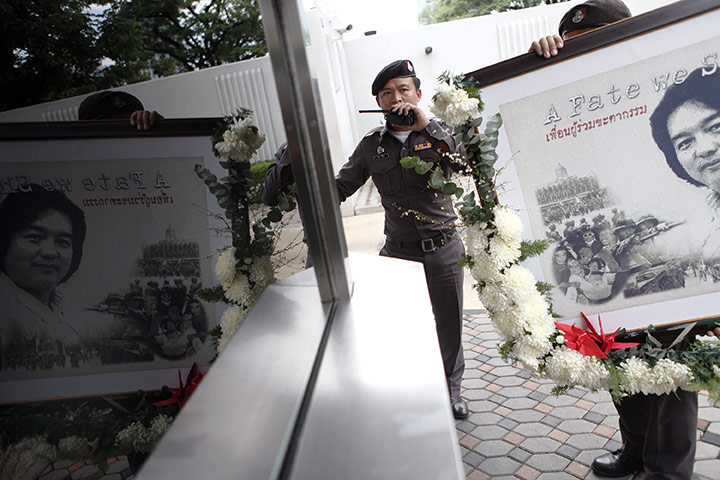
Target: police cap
[[592, 14], [108, 104], [397, 69]]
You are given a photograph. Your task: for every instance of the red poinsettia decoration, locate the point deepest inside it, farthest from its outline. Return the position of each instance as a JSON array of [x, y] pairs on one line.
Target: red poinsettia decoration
[[590, 343], [182, 395]]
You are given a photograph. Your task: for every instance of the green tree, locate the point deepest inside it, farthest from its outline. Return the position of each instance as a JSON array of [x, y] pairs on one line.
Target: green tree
[[173, 36], [52, 49], [47, 50], [438, 11]]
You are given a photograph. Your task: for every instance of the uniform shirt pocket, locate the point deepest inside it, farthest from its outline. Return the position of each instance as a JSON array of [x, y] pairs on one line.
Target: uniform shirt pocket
[[386, 175]]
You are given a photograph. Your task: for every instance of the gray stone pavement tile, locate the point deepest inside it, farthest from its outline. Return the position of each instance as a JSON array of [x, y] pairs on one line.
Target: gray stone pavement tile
[[712, 438], [533, 429], [482, 357], [490, 377], [499, 466], [486, 418], [481, 406], [551, 420], [471, 363], [497, 398], [568, 452], [464, 426], [505, 371], [711, 414], [584, 441], [520, 403], [548, 462], [509, 424], [707, 451], [489, 432], [714, 428], [561, 401], [586, 457], [708, 468], [472, 374], [613, 445], [514, 392], [493, 448], [498, 362], [523, 416], [605, 408], [476, 394], [569, 412], [576, 426], [520, 455], [474, 383], [473, 459], [511, 381], [524, 374], [540, 445], [594, 417], [556, 476], [539, 396]]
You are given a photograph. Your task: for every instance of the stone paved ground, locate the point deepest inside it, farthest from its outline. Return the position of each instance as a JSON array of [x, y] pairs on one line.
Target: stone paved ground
[[518, 429], [116, 469]]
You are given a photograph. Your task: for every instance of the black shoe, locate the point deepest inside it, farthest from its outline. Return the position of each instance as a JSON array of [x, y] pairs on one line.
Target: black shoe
[[459, 407], [614, 464]]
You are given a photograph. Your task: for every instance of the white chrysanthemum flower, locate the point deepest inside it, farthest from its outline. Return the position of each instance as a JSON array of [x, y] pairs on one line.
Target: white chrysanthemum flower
[[476, 240], [262, 273], [229, 323], [716, 369], [493, 298], [239, 290], [507, 323], [508, 224], [76, 446], [453, 105], [483, 269], [225, 267], [663, 378], [519, 284], [502, 252], [240, 141], [569, 367], [159, 425]]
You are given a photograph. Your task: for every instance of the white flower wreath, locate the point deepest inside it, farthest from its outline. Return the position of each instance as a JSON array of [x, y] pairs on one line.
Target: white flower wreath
[[245, 268], [518, 305]]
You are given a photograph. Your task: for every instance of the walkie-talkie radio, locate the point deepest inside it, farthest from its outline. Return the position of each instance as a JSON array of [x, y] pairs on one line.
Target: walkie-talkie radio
[[394, 118]]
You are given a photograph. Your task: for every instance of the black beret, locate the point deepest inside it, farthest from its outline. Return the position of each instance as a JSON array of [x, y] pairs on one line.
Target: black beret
[[108, 104], [592, 14], [397, 69]]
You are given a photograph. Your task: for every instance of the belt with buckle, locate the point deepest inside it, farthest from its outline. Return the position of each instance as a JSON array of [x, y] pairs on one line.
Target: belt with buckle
[[426, 244]]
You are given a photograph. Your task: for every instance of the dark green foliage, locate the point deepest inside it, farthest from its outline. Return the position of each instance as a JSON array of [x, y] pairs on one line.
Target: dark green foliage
[[437, 11], [533, 248], [257, 171], [212, 294], [52, 49]]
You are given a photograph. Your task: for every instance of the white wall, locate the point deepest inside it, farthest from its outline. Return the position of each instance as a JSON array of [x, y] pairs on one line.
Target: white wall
[[459, 46], [212, 92]]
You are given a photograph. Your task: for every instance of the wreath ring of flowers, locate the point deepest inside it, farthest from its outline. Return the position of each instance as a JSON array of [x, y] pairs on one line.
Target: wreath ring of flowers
[[519, 306]]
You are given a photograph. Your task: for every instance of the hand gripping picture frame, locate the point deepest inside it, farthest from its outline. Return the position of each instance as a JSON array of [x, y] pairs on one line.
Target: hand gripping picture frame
[[136, 225], [610, 152]]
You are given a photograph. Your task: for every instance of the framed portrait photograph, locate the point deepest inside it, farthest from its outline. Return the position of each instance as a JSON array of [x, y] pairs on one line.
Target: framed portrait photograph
[[611, 151], [105, 243]]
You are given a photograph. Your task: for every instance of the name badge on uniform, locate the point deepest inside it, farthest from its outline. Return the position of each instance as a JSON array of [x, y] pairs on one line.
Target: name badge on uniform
[[422, 146]]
